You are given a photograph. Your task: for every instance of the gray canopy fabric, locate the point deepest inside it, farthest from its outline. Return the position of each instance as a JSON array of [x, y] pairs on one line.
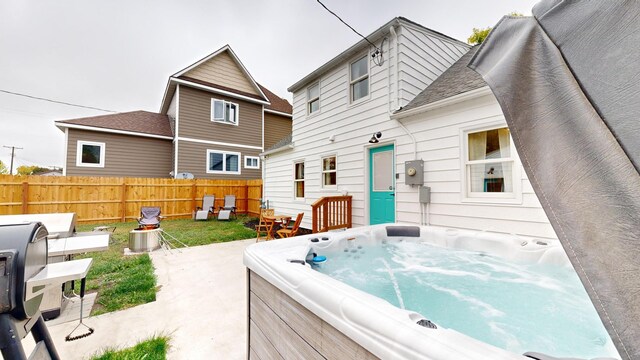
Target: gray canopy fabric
[[568, 82]]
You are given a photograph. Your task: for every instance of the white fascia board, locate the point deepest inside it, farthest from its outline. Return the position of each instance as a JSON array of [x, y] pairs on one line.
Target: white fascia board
[[444, 102], [197, 63], [219, 143], [66, 149], [164, 97], [280, 149], [112, 131], [278, 113], [216, 53], [218, 91]]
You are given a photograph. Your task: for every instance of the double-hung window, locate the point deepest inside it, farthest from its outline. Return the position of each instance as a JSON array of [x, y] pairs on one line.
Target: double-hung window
[[329, 172], [490, 164], [224, 112], [313, 98], [298, 179], [223, 162], [90, 154], [359, 78]]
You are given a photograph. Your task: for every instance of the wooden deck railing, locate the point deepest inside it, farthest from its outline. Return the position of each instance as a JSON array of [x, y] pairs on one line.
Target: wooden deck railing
[[330, 213]]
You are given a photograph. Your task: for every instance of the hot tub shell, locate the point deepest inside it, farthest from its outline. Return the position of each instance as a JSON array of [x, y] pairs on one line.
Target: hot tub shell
[[313, 305]]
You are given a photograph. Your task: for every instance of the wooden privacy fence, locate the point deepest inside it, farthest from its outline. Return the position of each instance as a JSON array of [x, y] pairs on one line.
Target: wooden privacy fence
[[112, 199]]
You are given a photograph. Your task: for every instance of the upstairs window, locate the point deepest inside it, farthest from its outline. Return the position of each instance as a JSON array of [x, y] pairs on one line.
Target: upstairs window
[[359, 78], [90, 154], [313, 96], [223, 162], [329, 172], [298, 180], [224, 112], [490, 164]]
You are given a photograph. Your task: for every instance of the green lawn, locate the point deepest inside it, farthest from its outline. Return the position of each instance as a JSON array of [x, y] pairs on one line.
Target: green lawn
[[126, 281], [152, 349]]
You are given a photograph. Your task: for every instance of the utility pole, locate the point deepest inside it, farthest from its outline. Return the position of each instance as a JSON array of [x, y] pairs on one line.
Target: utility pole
[[13, 150]]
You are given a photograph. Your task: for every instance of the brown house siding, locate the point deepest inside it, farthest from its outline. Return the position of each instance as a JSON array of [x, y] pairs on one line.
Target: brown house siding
[[276, 127], [192, 158], [125, 155], [194, 119]]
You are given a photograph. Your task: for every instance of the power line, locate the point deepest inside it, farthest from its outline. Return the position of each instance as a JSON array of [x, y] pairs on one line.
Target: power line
[[56, 101], [349, 26]]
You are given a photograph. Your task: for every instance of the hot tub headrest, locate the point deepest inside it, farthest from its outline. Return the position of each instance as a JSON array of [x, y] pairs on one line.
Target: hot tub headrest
[[404, 231]]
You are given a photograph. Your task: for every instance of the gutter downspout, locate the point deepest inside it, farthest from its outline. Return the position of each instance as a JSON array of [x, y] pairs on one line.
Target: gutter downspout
[[392, 30]]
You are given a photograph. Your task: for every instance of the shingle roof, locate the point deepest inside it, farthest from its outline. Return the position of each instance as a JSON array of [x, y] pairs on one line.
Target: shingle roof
[[456, 80], [143, 122], [277, 103]]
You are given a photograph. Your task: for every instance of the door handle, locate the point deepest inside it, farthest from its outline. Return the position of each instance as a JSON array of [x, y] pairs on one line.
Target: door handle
[[392, 194]]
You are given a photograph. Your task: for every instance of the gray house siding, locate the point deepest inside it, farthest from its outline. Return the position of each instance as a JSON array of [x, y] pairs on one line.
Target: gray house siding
[[192, 158], [195, 119], [276, 128], [125, 155]]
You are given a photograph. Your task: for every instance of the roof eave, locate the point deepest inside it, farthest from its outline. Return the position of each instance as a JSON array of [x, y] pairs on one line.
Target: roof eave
[[277, 150], [351, 51], [62, 125], [219, 91], [485, 90]]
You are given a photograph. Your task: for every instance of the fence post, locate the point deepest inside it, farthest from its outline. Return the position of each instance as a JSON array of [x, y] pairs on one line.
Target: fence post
[[123, 203], [25, 197], [246, 198], [194, 191]]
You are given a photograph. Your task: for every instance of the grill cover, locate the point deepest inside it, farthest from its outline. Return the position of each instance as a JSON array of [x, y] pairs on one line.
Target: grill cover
[[568, 82]]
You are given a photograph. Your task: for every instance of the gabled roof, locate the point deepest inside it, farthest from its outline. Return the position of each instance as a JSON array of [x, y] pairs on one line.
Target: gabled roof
[[135, 122], [189, 70], [278, 104], [362, 44], [456, 80]]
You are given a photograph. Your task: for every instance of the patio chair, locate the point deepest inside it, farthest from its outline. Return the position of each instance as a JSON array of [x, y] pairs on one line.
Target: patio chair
[[149, 217], [229, 205], [292, 231], [202, 213], [265, 226]]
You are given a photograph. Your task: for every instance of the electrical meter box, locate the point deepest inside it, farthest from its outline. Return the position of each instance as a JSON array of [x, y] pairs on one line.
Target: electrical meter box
[[425, 194], [414, 172]]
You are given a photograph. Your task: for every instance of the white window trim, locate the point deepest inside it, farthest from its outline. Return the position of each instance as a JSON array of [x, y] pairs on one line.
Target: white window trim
[[467, 196], [351, 82], [246, 158], [224, 162], [323, 171], [224, 102], [103, 149], [310, 99], [295, 195]]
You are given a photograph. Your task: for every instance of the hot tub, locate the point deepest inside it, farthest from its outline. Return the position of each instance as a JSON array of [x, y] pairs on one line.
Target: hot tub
[[296, 310]]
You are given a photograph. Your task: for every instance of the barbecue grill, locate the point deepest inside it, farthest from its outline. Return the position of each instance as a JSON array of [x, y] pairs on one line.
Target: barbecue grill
[[25, 277]]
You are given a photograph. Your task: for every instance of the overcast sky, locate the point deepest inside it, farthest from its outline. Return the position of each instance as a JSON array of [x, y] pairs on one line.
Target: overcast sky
[[118, 54]]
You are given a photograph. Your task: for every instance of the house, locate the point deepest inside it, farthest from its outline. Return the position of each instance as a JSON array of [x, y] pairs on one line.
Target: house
[[214, 121], [448, 120]]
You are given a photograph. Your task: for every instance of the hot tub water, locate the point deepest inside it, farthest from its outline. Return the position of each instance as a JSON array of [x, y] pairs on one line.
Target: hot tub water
[[518, 307]]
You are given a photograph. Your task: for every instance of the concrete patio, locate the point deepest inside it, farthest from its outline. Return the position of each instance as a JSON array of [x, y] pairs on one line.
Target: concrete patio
[[201, 305]]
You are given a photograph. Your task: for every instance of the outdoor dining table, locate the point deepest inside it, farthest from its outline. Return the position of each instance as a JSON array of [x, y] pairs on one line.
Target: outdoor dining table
[[281, 220]]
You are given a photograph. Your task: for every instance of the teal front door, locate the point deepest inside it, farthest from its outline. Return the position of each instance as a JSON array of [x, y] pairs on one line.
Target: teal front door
[[382, 184]]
